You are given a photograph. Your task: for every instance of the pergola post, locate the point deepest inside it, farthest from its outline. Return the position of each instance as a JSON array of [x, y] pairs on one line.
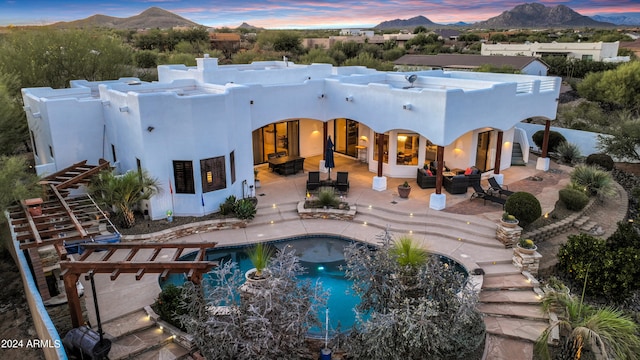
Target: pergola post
[[379, 181], [73, 300]]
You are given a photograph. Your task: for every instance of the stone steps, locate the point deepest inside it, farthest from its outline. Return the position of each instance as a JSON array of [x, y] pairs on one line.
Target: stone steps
[[136, 335], [522, 311], [515, 328], [507, 282]]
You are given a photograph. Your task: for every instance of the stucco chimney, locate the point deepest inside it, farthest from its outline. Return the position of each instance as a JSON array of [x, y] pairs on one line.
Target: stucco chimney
[[207, 63]]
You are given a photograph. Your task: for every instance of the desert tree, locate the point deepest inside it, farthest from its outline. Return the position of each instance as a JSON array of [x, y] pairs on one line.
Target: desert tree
[[261, 320], [416, 309]]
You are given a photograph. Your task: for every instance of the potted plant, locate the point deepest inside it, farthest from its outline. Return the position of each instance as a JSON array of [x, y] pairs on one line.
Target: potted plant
[[404, 190], [527, 246], [508, 220], [169, 216], [259, 255]]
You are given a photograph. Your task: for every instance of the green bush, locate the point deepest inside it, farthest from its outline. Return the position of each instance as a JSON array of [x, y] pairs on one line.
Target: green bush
[[327, 197], [625, 236], [524, 206], [555, 139], [569, 153], [168, 305], [603, 160], [245, 209], [574, 200], [228, 206], [593, 180]]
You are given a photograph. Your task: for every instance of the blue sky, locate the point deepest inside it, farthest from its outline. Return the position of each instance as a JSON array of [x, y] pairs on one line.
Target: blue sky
[[291, 13]]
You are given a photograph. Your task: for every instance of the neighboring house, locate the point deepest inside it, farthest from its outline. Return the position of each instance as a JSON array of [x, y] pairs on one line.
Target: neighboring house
[[201, 130], [356, 32], [524, 64], [596, 51]]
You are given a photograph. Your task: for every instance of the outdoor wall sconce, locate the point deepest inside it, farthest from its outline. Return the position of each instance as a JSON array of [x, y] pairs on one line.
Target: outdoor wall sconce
[[406, 106], [349, 98], [250, 102], [150, 128], [36, 115], [320, 96], [124, 109]]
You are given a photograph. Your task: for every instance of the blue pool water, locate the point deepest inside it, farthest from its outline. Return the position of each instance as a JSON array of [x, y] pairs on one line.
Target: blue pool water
[[322, 257]]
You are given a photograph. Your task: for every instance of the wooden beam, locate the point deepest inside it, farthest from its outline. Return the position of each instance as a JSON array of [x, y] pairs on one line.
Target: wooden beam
[[84, 175], [32, 225], [75, 311], [148, 245], [63, 171], [66, 207]]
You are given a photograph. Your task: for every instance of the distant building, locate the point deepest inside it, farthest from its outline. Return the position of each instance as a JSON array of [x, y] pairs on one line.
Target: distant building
[[356, 32], [597, 51], [524, 64]]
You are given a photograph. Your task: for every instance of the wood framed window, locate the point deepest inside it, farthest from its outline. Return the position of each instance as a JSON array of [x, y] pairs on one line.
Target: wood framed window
[[183, 176], [213, 173]]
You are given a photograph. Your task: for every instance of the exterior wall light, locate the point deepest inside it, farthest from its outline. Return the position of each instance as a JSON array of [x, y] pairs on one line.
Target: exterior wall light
[[349, 98], [406, 106], [124, 109]]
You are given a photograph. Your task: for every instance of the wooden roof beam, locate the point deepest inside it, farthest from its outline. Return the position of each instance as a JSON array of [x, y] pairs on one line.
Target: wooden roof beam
[[83, 176], [66, 207], [32, 225]]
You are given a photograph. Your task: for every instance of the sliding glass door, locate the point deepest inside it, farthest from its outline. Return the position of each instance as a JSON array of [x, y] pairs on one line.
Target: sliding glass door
[[282, 137]]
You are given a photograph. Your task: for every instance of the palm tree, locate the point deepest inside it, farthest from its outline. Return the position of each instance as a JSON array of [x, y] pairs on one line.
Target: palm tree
[[606, 333], [124, 192]]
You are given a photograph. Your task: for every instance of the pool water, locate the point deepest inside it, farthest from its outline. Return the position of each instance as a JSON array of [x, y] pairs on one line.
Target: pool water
[[322, 258]]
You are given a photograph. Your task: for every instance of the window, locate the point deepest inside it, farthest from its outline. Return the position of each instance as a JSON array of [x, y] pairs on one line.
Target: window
[[183, 176], [51, 151], [407, 149], [385, 148], [33, 138], [113, 153], [587, 57], [232, 165], [213, 172]]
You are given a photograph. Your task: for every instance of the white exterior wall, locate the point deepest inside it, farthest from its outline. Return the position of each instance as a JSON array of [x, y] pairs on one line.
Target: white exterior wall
[[209, 111], [598, 50], [535, 68]]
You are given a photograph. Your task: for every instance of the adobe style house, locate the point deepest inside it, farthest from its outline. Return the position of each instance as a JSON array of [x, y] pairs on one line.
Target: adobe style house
[[596, 51], [201, 130], [528, 65]]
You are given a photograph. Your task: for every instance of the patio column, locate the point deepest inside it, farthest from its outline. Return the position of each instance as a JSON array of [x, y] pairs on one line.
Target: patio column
[[324, 147], [438, 200], [496, 165], [543, 160], [380, 181]]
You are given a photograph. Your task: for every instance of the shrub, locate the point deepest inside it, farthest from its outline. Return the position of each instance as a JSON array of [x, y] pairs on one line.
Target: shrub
[[569, 153], [573, 199], [228, 206], [555, 139], [245, 209], [168, 305], [327, 197], [594, 180], [603, 160], [626, 235], [524, 206]]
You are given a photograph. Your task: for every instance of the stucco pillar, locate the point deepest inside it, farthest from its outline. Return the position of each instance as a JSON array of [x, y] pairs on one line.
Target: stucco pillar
[[496, 165], [543, 160], [438, 200], [379, 181]]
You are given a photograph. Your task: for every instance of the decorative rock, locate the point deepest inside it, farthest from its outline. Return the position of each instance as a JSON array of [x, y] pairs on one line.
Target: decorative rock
[[335, 214]]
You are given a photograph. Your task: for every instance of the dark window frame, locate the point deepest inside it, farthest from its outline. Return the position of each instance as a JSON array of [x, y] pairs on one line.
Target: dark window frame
[[213, 173], [183, 177]]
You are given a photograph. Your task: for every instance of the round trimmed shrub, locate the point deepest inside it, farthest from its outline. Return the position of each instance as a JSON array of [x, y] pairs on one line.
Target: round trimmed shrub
[[524, 206], [603, 160], [573, 199], [555, 139]]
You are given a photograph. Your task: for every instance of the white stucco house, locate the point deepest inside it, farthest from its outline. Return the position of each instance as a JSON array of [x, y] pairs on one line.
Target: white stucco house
[[201, 130], [596, 51]]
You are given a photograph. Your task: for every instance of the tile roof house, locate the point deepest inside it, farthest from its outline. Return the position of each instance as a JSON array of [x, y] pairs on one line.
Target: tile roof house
[[201, 130], [525, 64]]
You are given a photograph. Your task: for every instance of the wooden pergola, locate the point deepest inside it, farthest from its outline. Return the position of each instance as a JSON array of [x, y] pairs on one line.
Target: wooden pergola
[[71, 270], [64, 218]]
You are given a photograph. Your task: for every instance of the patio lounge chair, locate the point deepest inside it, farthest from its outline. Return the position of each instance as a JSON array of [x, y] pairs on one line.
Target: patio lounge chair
[[482, 194], [342, 182], [313, 183], [496, 188]]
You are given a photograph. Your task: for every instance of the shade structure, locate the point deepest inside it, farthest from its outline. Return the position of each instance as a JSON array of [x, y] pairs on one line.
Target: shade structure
[[328, 157]]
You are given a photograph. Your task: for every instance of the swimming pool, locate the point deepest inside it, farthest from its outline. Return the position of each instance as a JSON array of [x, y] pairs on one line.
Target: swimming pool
[[322, 257]]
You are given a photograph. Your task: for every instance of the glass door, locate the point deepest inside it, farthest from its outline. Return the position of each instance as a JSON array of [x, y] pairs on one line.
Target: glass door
[[346, 136], [482, 150], [275, 139]]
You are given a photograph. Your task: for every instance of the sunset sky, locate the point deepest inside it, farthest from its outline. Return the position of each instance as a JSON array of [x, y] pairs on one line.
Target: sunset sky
[[291, 13]]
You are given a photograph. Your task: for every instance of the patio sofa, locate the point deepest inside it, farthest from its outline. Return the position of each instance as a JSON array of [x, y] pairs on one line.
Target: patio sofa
[[456, 184], [424, 180]]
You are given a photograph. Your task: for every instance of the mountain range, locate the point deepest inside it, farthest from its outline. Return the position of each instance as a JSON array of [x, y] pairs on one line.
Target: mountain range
[[530, 15]]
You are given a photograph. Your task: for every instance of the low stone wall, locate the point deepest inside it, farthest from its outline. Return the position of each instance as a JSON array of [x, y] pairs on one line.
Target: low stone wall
[[560, 227], [334, 214], [188, 229]]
